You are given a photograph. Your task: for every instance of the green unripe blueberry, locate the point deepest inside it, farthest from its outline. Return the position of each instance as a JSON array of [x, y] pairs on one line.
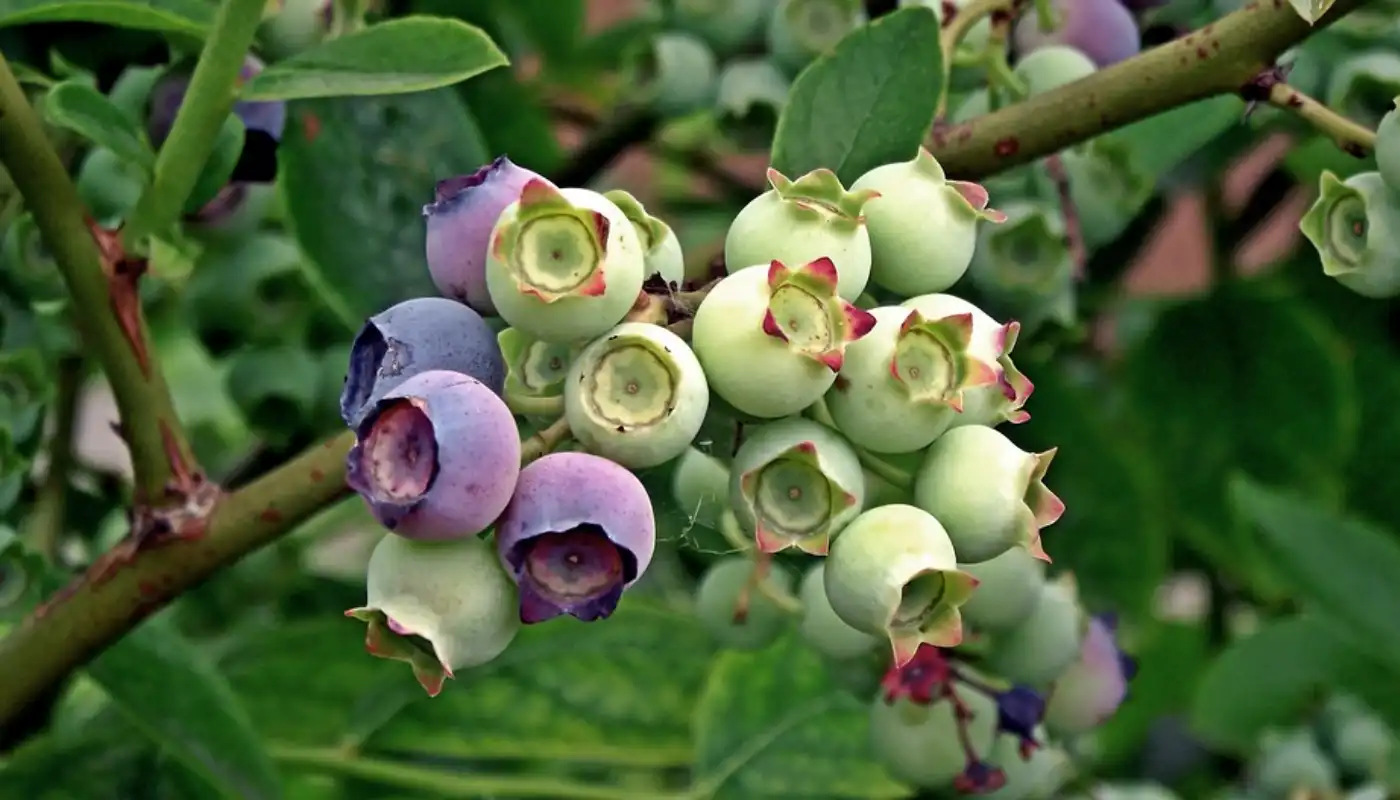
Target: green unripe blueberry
[[534, 368], [771, 339], [727, 25], [821, 628], [1009, 586], [752, 93], [1046, 642], [1369, 791], [892, 573], [1363, 87], [660, 246], [565, 265], [1388, 148], [922, 226], [921, 745], [674, 72], [1025, 266], [700, 487], [1107, 187], [1355, 227], [636, 395], [801, 30], [795, 483], [1363, 745], [902, 384], [438, 605], [1053, 66], [297, 26], [732, 608], [1133, 791], [1041, 777], [1293, 762], [988, 493], [800, 221]]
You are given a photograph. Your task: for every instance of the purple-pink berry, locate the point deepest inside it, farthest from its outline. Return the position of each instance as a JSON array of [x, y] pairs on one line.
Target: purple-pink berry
[[437, 457], [460, 219], [577, 533], [1104, 30]]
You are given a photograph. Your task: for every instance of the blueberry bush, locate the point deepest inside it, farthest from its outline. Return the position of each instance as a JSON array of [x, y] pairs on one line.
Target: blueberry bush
[[699, 399]]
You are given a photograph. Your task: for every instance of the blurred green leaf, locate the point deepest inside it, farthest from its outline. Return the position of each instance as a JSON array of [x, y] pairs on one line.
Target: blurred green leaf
[[554, 27], [1268, 678], [269, 385], [179, 16], [355, 175], [1171, 658], [1375, 471], [173, 694], [23, 575], [1161, 142], [81, 108], [102, 762], [411, 54], [771, 724], [1347, 568], [228, 147], [1113, 535], [1246, 378], [869, 102], [1308, 159], [516, 123]]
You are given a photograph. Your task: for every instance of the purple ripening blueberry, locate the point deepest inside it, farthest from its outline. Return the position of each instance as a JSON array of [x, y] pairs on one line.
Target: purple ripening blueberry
[[415, 336], [1089, 692], [577, 533], [267, 117], [437, 457], [1104, 30], [460, 219]]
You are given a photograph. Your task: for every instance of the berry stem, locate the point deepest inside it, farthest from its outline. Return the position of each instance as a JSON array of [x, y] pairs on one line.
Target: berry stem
[[956, 29], [428, 780], [527, 406], [208, 101], [544, 441], [102, 285], [1219, 59], [1357, 140]]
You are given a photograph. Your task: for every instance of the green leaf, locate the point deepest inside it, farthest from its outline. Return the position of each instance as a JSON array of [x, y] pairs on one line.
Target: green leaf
[[1110, 485], [1347, 568], [173, 694], [1215, 387], [411, 54], [359, 220], [771, 724], [1273, 675], [553, 26], [618, 692], [1311, 10], [179, 16], [869, 102], [219, 168], [517, 122], [1160, 143], [1307, 160]]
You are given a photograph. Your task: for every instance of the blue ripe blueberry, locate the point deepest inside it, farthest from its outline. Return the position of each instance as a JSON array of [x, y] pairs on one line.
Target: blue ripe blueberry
[[459, 222], [1103, 30], [437, 457], [439, 606], [415, 336], [579, 531]]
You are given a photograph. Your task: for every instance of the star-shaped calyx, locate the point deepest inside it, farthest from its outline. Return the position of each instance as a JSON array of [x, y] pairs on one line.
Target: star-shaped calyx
[[388, 638], [551, 247], [805, 311], [819, 195], [1338, 224], [932, 363], [1042, 506], [973, 197], [1014, 386], [795, 502]]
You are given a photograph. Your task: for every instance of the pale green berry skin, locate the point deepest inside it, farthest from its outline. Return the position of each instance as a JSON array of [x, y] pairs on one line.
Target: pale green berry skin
[[792, 49], [1106, 187], [919, 745], [974, 479], [677, 72], [1354, 84], [982, 405], [752, 93], [727, 25], [718, 593], [1363, 745], [869, 406], [1293, 762], [1051, 67], [1388, 149], [821, 628], [1369, 791], [1046, 642], [1008, 589], [700, 487], [763, 444], [756, 373], [1039, 778], [575, 318], [922, 233], [771, 229], [452, 593], [662, 254], [1368, 262], [1025, 265], [636, 395], [1133, 791]]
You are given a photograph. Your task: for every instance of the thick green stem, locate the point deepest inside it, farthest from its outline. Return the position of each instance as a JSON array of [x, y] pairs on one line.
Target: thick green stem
[[1221, 58], [79, 622], [440, 783], [208, 100], [105, 306]]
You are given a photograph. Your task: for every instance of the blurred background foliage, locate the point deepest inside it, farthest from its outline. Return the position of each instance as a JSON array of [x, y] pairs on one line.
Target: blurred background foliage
[[1247, 602]]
